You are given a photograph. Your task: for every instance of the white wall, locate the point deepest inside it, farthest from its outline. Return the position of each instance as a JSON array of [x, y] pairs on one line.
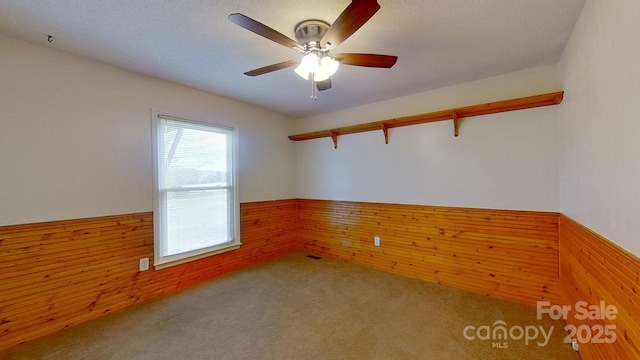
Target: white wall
[[600, 122], [75, 137], [505, 161]]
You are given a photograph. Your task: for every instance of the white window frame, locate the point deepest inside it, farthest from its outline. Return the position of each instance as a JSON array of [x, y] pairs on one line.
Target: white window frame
[[159, 222]]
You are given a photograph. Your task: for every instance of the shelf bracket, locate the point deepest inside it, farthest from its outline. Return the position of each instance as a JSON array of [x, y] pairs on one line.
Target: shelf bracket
[[334, 137], [385, 129], [456, 123]]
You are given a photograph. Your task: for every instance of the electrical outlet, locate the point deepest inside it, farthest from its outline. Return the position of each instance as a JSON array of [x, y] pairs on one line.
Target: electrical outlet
[[575, 345], [376, 240], [144, 264]]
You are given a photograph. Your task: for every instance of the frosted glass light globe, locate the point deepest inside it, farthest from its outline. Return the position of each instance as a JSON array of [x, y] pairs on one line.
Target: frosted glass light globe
[[310, 62]]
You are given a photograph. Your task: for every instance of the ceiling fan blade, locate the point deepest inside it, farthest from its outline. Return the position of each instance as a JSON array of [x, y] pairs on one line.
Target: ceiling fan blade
[[370, 60], [351, 19], [270, 68], [323, 85], [263, 30]]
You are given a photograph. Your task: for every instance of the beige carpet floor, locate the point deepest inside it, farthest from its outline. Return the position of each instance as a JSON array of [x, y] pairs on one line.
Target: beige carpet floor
[[295, 307]]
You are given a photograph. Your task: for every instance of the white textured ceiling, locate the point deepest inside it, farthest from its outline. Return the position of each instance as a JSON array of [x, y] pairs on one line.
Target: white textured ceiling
[[191, 42]]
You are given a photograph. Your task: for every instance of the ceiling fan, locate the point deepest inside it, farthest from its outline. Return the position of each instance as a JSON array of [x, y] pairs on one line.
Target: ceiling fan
[[314, 39]]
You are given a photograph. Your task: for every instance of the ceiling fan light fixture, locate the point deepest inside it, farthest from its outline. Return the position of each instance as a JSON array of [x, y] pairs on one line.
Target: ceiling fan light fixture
[[329, 65], [325, 68], [300, 70], [310, 62]]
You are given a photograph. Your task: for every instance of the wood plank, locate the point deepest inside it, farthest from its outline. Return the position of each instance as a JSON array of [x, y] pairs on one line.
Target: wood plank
[[58, 274], [458, 278], [462, 112], [593, 269], [507, 254]]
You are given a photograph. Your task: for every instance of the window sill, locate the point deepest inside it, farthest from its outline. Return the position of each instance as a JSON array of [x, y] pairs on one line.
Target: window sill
[[169, 263]]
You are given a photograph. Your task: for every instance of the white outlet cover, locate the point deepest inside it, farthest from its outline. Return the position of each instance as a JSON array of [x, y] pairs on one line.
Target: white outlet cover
[[376, 240], [144, 264], [575, 345]]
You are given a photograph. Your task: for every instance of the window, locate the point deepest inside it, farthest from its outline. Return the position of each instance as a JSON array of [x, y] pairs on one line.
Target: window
[[195, 190]]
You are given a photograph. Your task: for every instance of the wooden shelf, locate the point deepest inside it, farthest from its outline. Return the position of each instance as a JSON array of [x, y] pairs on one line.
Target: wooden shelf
[[456, 115]]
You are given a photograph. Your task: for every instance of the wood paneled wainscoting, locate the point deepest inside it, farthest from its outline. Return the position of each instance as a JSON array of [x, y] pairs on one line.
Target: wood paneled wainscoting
[[58, 274], [594, 270], [507, 254]]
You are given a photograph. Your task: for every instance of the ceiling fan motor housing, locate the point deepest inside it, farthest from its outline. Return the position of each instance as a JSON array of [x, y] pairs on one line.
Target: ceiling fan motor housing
[[310, 32]]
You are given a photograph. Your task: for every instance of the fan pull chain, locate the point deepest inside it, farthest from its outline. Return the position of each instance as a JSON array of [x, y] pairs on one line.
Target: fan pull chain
[[313, 88]]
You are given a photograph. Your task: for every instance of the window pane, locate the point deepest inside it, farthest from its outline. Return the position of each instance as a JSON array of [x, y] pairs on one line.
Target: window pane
[[196, 220], [196, 209], [195, 156]]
